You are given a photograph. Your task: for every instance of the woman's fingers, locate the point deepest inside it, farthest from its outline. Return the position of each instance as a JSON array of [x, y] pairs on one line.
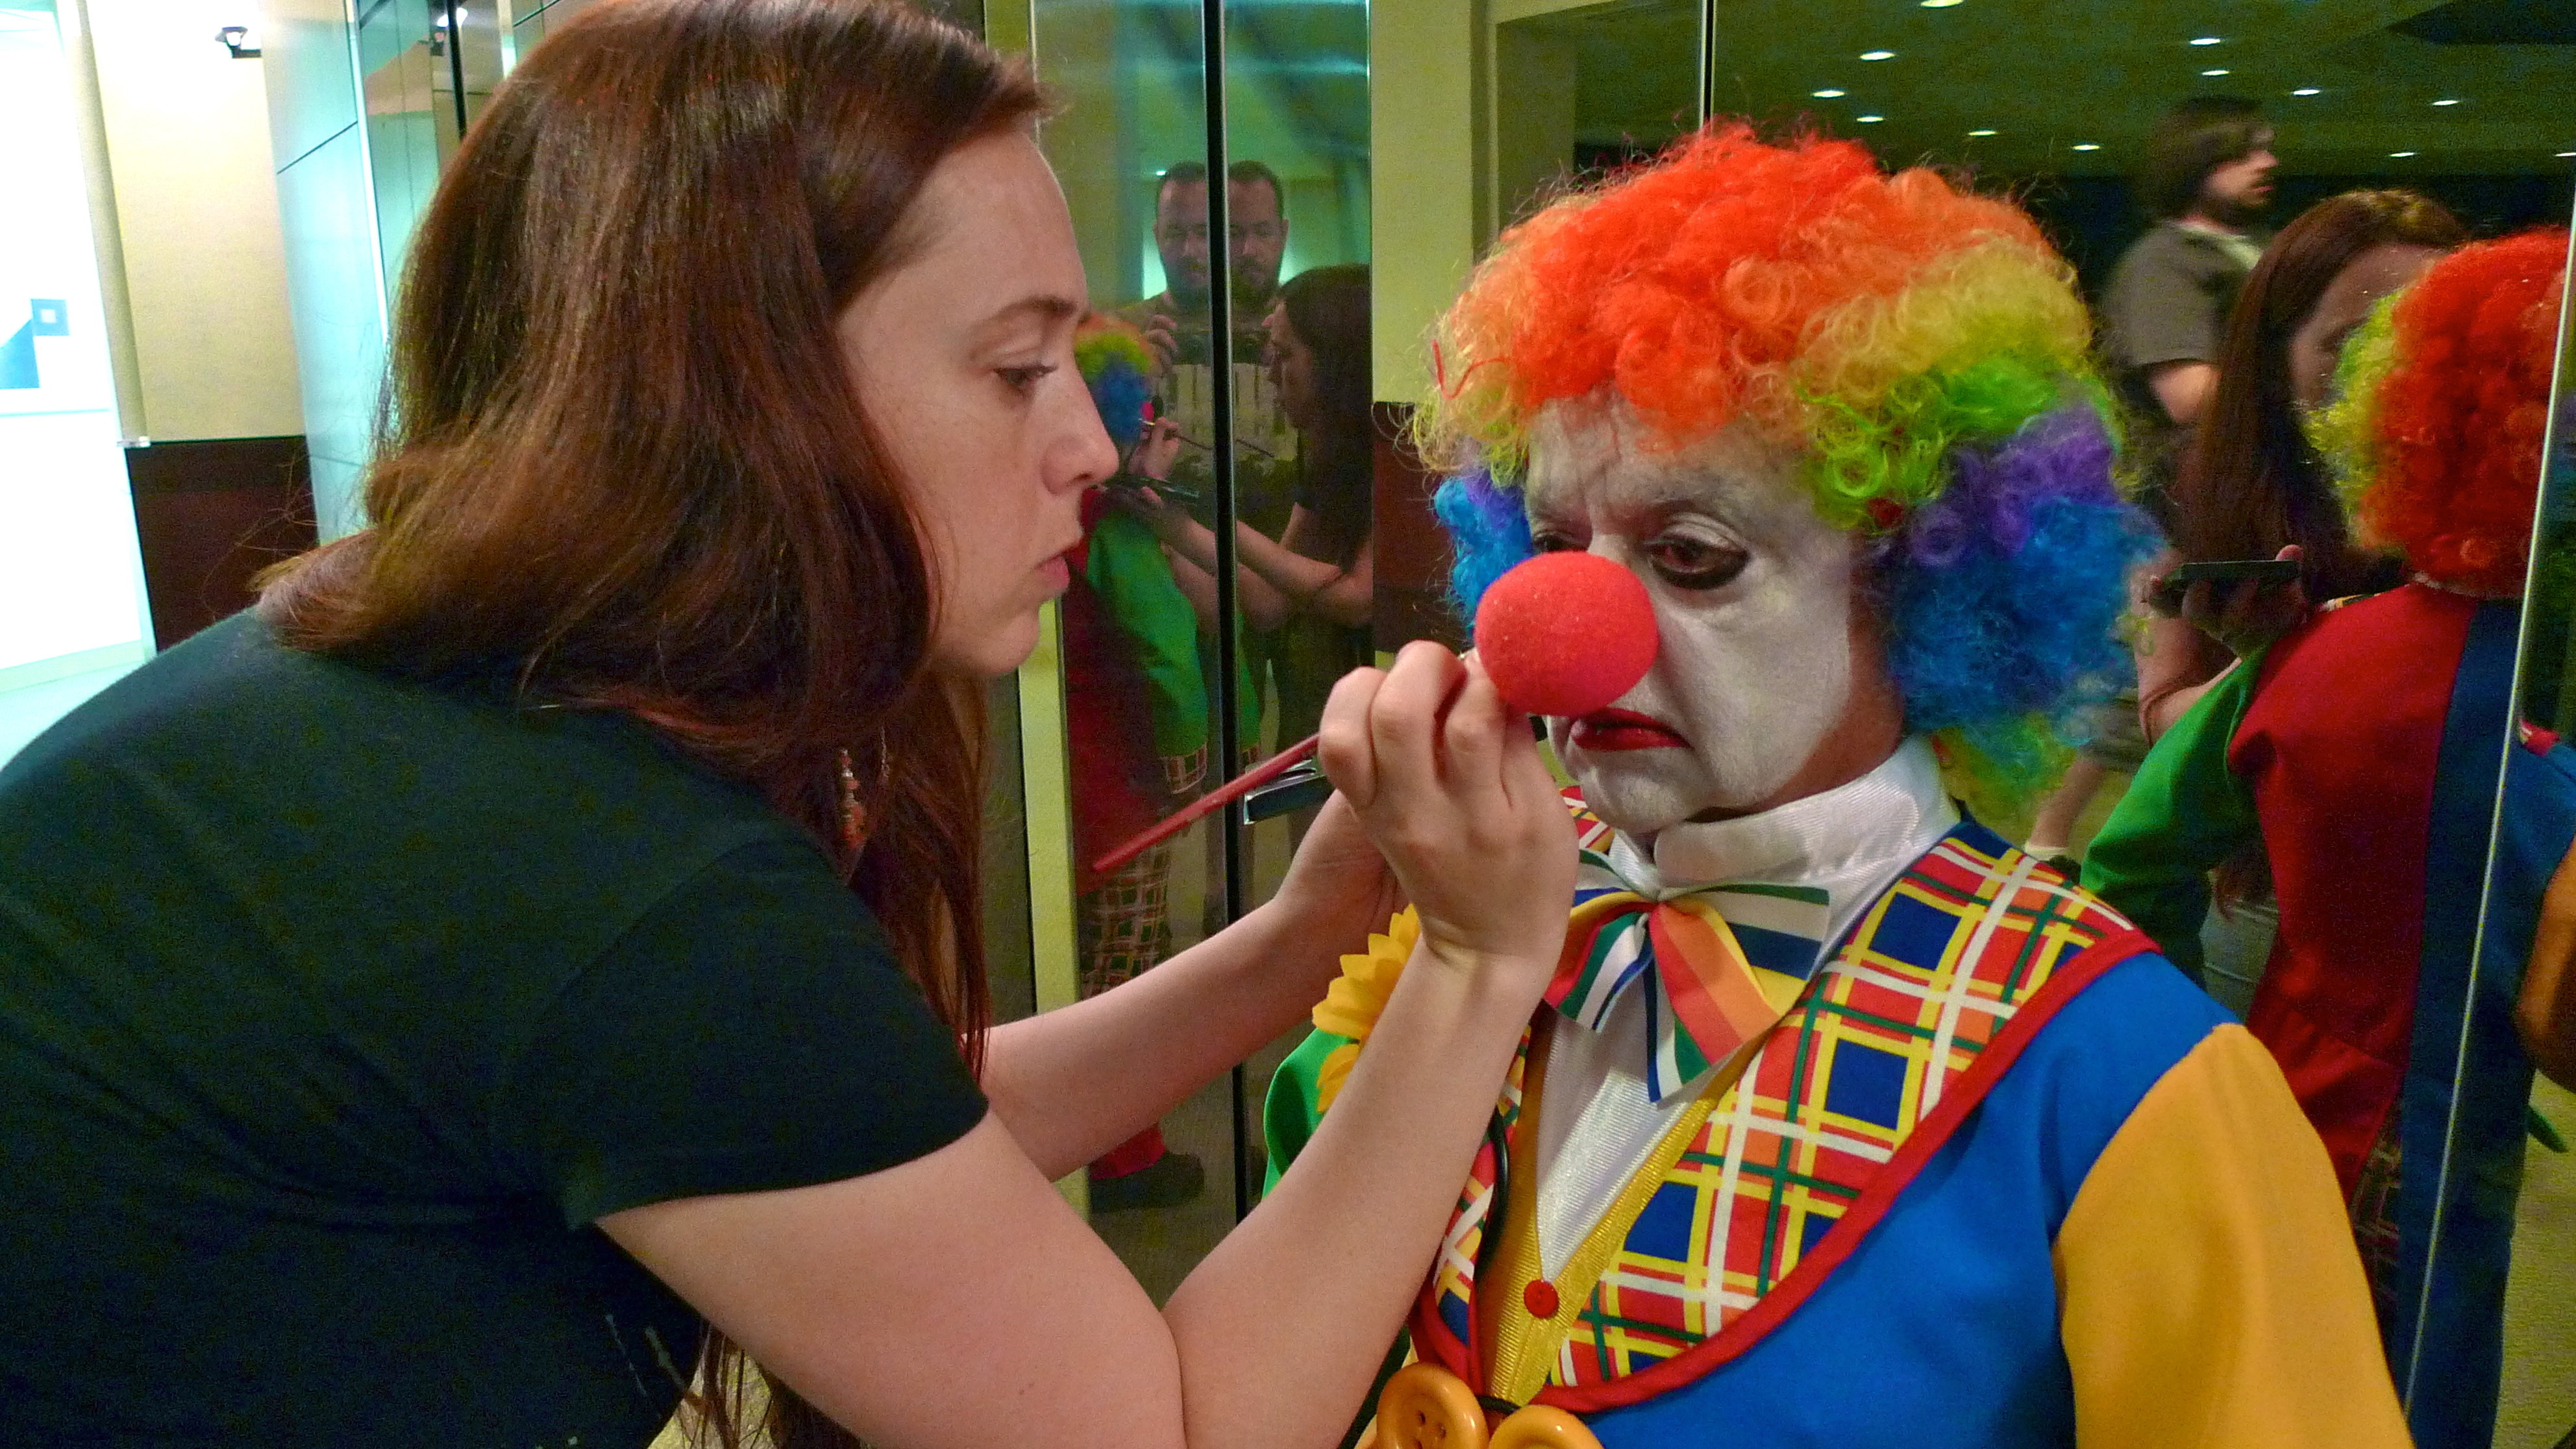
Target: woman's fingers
[[1404, 720], [1343, 745], [1471, 736]]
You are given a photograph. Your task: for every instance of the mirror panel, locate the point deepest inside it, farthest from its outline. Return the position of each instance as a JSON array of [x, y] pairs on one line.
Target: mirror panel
[[2537, 1400], [1137, 648], [1297, 136]]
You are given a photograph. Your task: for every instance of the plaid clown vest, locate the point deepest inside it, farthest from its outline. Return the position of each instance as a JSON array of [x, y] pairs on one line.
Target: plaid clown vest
[[1733, 1220]]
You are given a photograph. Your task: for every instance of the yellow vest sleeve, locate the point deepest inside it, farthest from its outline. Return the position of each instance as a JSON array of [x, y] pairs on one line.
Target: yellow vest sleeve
[[2209, 1293]]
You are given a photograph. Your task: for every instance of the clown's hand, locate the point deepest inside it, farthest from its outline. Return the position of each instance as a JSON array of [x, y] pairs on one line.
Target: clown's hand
[[1450, 786]]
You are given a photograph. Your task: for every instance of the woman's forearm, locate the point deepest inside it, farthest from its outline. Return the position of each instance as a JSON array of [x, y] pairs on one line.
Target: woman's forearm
[[1341, 595], [1074, 1082], [1260, 601], [1283, 1324]]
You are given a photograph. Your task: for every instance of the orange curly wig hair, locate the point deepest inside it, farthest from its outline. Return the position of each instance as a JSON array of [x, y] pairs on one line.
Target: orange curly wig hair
[[2445, 408]]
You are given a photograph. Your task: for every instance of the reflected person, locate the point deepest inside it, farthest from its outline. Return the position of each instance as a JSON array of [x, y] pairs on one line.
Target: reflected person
[[2362, 752], [2253, 485], [1313, 584]]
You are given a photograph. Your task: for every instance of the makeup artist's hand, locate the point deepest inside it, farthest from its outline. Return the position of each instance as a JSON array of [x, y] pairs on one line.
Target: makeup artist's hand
[[1449, 783], [1156, 450], [1338, 888]]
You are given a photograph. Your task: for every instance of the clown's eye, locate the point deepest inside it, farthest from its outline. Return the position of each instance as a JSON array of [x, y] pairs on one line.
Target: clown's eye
[[1696, 563], [1549, 541]]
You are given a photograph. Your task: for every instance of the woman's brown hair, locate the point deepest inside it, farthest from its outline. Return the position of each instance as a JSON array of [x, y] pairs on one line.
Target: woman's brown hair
[[621, 464], [2251, 481], [1328, 308]]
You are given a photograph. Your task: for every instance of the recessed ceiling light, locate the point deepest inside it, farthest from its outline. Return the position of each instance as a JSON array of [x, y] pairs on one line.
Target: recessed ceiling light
[[1869, 120], [1878, 55], [2306, 91], [2399, 155], [2086, 146], [2221, 70], [2446, 103], [1988, 131], [2205, 40], [1827, 94]]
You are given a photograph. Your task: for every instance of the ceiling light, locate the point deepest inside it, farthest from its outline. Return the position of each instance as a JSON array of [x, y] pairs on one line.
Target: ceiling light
[[2306, 91], [2205, 40], [2222, 70], [1987, 132], [2446, 103], [2399, 155], [1878, 55], [2086, 146], [1827, 94], [1869, 120]]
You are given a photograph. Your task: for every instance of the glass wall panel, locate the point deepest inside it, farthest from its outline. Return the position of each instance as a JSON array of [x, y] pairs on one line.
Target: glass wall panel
[[1140, 650], [2524, 1001], [1297, 134]]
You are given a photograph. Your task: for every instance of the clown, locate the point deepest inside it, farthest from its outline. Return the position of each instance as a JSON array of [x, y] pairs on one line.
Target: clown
[[2361, 752], [1844, 1122]]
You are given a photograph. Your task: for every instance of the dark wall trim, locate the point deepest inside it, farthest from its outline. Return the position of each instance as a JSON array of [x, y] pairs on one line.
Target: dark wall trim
[[211, 513]]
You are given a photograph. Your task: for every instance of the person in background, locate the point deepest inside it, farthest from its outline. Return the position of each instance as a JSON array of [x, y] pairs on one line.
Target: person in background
[[543, 941], [2252, 485], [2362, 752], [1174, 321], [2208, 176], [1311, 586], [2252, 482], [1138, 722]]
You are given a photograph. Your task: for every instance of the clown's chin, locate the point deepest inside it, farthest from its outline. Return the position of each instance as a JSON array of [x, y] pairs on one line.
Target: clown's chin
[[1643, 791]]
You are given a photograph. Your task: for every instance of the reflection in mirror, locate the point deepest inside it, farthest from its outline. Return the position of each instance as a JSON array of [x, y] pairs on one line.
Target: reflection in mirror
[[1139, 654], [1297, 108], [2526, 1002]]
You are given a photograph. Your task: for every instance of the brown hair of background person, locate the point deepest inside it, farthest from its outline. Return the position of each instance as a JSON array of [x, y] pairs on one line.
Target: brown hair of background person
[[2251, 482], [2191, 140], [682, 511], [1328, 308]]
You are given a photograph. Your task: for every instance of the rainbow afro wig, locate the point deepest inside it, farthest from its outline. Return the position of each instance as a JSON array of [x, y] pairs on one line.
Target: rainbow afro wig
[[2436, 438], [1921, 347], [1117, 367]]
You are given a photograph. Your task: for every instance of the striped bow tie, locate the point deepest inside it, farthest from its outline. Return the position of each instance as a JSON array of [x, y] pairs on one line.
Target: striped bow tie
[[1720, 965]]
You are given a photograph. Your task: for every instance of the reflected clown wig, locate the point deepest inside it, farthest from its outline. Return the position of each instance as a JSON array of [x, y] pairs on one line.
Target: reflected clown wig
[[1922, 347], [2444, 403]]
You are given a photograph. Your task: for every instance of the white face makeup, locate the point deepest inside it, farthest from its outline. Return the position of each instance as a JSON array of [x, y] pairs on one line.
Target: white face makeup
[[1754, 681]]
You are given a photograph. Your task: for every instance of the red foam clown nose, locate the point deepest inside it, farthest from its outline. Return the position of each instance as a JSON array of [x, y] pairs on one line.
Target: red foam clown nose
[[1565, 633]]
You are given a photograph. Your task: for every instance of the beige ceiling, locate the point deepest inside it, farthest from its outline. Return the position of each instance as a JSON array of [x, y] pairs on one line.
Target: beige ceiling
[[2045, 75]]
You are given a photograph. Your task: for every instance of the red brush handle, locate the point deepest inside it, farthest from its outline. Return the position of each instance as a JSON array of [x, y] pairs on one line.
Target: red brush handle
[[1223, 795]]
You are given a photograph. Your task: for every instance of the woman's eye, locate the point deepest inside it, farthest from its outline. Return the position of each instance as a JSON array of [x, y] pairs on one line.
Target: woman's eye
[[1025, 379], [1691, 563]]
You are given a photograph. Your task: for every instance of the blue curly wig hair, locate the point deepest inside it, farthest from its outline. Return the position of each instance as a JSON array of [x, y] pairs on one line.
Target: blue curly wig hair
[[1922, 347]]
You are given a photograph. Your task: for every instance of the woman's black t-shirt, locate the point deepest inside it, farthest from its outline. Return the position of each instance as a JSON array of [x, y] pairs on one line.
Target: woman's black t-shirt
[[334, 1009]]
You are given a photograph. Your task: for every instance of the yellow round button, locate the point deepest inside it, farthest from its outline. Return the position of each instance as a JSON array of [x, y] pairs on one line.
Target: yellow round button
[[1427, 1407], [1542, 1426]]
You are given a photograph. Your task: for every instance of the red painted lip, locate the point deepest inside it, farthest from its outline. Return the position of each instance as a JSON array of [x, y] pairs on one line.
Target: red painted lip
[[1607, 731]]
